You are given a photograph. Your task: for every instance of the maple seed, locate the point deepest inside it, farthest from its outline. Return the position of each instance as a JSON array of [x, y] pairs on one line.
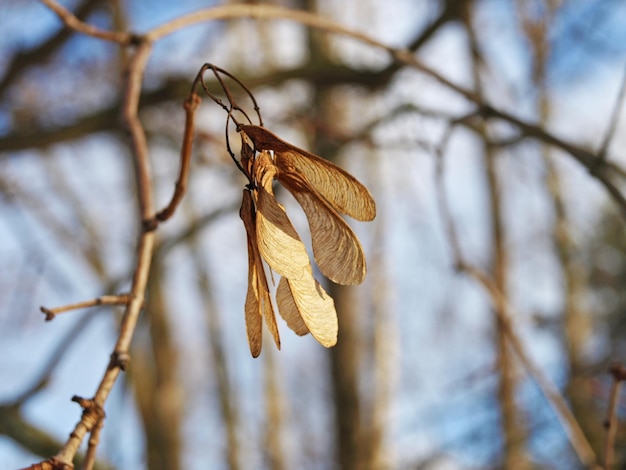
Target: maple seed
[[324, 191]]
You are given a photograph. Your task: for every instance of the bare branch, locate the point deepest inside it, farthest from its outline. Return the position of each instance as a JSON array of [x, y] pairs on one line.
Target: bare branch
[[121, 299], [191, 104], [503, 310], [94, 439], [120, 355], [72, 22], [610, 132], [569, 422], [25, 59], [618, 372]]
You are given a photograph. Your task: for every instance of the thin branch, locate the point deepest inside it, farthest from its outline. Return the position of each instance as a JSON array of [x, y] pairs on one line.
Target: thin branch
[[121, 299], [72, 22], [502, 308], [120, 356], [610, 132], [191, 104], [94, 439], [618, 372], [28, 58], [597, 166], [569, 422]]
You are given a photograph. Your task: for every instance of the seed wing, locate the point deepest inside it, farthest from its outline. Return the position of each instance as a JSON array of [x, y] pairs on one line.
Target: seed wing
[[279, 243], [281, 247], [336, 248], [305, 298], [258, 301], [288, 309], [342, 190]]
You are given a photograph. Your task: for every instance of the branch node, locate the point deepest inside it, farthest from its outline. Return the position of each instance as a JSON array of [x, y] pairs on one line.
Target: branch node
[[50, 315], [92, 413], [150, 225], [135, 39], [618, 371], [50, 464], [596, 165], [119, 359]]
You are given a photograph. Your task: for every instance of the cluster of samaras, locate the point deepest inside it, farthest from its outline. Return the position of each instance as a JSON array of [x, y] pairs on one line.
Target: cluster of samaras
[[324, 191]]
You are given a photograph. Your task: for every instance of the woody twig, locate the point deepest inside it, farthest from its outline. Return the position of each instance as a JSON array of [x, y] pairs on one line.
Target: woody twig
[[121, 299]]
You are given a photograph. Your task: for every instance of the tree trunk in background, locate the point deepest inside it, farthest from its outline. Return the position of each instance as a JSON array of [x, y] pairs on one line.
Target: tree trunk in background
[[576, 320], [154, 376], [217, 363], [345, 363], [385, 339], [274, 410], [514, 430], [345, 356]]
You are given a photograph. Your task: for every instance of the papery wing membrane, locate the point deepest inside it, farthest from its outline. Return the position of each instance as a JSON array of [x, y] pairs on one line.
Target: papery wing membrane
[[341, 189], [258, 300], [315, 307], [288, 309], [279, 243], [336, 248], [281, 247]]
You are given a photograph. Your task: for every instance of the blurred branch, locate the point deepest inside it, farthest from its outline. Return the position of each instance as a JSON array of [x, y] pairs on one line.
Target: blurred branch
[[610, 132], [21, 194], [577, 438], [155, 376], [54, 359], [618, 372], [31, 438], [38, 54], [226, 391], [597, 166], [576, 320], [453, 10], [386, 339], [93, 409], [514, 426], [275, 445], [569, 422], [74, 23]]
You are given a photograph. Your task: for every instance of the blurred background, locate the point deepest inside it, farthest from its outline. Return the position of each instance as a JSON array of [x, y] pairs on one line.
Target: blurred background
[[423, 376]]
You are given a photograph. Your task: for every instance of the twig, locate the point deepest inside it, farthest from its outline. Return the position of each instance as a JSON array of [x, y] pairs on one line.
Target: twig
[[569, 422], [121, 299], [191, 104], [597, 166], [93, 408], [618, 372], [502, 309], [610, 132], [94, 439], [72, 22], [120, 356]]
